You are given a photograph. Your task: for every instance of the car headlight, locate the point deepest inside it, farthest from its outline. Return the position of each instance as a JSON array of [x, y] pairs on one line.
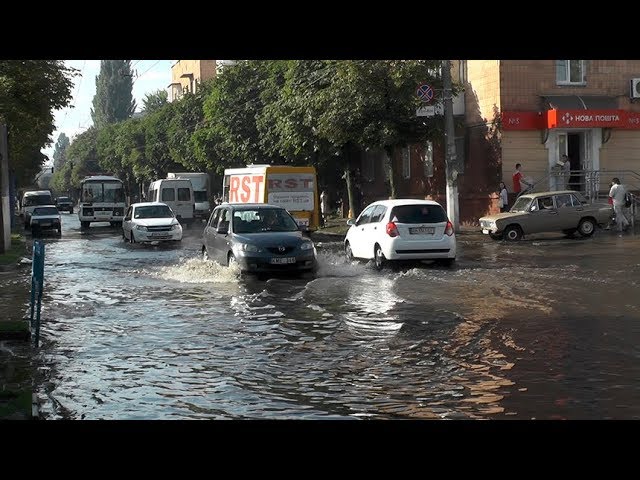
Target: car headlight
[[141, 227], [247, 247], [176, 226], [306, 246]]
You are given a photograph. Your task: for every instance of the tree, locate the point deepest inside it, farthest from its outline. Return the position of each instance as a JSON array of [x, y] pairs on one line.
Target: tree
[[154, 101], [60, 151], [82, 155], [113, 101], [30, 92]]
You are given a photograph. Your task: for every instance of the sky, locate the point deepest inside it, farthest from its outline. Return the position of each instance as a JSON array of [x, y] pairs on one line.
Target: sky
[[149, 76]]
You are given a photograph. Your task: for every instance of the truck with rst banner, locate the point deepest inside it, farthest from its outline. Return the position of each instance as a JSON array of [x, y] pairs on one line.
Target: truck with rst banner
[[293, 188]]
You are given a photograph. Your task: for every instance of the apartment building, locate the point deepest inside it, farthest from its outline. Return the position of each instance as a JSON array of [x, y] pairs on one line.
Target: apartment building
[[529, 112], [187, 74], [586, 109]]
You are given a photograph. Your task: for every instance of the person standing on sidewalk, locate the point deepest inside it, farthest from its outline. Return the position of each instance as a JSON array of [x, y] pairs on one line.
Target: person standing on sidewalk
[[617, 194], [503, 198]]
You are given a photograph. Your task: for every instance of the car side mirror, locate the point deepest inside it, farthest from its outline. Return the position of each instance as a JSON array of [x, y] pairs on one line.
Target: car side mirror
[[351, 222]]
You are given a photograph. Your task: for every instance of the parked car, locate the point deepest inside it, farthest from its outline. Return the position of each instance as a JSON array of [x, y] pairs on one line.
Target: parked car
[[45, 217], [563, 211], [64, 204], [150, 222], [259, 238], [391, 230]]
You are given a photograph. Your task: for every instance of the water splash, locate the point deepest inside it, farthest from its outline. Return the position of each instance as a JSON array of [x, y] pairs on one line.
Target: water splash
[[196, 270]]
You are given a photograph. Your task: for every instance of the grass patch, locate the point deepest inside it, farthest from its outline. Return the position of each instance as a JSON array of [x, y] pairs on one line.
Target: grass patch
[[14, 326], [15, 404], [15, 252]]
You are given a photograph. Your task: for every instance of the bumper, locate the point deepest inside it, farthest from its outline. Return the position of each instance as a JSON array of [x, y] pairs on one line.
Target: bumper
[[263, 264], [399, 249], [171, 236], [45, 225]]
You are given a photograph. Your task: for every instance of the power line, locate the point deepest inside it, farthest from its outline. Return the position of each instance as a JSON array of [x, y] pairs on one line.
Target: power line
[[75, 97], [138, 77]]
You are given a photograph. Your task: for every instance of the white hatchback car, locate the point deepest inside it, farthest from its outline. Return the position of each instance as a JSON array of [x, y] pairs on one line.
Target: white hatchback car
[[150, 222], [391, 230]]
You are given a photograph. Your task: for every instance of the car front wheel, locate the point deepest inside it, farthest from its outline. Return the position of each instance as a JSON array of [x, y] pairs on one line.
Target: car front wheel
[[348, 252], [586, 227], [378, 258], [512, 233]]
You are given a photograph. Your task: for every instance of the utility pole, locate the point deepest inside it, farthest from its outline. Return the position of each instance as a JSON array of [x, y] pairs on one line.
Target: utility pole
[[5, 213], [451, 161]]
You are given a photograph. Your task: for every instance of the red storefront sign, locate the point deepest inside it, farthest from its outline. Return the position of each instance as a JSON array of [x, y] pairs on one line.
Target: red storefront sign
[[523, 121], [622, 119]]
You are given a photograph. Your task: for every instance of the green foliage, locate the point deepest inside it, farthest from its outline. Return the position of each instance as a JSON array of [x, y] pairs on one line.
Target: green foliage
[[30, 92], [83, 157], [231, 110], [154, 101], [113, 101], [60, 151]]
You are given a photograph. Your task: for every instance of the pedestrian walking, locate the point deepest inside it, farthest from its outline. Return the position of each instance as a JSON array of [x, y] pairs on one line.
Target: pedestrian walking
[[618, 194], [520, 185], [324, 206], [503, 198]]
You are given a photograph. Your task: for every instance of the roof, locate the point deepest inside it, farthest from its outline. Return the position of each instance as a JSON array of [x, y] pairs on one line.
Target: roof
[[247, 206], [148, 204], [100, 178], [37, 192], [544, 194], [404, 201]]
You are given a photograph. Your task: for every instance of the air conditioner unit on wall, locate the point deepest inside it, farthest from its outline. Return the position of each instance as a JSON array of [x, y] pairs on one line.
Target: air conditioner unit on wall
[[635, 88]]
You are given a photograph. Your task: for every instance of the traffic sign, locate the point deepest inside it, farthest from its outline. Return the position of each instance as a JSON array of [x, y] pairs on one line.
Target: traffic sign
[[425, 93]]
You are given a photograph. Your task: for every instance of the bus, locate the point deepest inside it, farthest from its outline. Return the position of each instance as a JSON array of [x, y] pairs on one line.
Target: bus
[[101, 200], [293, 188]]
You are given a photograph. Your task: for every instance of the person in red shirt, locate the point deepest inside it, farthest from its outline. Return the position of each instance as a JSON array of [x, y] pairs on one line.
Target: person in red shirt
[[518, 181]]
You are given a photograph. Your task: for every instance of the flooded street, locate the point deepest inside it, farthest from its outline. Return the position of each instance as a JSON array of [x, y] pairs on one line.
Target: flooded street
[[547, 328]]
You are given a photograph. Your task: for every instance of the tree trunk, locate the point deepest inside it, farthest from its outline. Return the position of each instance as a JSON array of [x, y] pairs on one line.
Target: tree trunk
[[390, 172], [347, 178]]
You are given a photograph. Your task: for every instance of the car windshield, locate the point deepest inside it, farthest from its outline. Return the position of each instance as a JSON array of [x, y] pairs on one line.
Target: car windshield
[[45, 211], [521, 205], [32, 200], [263, 220], [153, 211], [418, 214]]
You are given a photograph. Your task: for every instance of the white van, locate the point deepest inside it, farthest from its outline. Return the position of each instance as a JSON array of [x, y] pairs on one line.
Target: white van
[[31, 200], [178, 194]]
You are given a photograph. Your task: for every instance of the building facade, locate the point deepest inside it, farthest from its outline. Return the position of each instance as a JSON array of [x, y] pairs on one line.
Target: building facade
[[585, 109], [187, 74], [529, 112]]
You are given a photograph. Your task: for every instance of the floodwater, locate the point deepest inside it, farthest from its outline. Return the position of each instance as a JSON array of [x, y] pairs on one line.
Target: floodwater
[[547, 328]]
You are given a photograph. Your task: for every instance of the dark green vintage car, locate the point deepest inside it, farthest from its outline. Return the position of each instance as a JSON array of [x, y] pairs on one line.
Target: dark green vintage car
[[563, 211]]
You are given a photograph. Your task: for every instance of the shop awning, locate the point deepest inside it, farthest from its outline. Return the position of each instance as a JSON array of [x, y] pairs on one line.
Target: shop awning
[[580, 102]]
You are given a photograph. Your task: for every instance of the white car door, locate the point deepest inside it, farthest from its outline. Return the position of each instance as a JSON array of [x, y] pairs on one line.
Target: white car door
[[374, 230], [357, 235], [126, 223]]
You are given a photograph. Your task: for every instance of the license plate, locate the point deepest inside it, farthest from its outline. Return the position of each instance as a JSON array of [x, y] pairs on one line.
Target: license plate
[[103, 214], [485, 231], [281, 260], [428, 230], [159, 235], [47, 224]]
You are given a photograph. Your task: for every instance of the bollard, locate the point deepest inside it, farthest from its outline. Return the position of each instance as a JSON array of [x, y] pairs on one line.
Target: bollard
[[37, 281]]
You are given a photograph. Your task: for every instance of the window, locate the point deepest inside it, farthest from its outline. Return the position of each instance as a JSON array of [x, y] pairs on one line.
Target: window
[[184, 195], [570, 72], [462, 71], [378, 213], [168, 194], [365, 216], [427, 159], [421, 213], [406, 163]]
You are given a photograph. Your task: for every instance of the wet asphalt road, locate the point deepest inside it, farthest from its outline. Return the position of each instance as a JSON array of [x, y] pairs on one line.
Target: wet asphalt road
[[547, 328]]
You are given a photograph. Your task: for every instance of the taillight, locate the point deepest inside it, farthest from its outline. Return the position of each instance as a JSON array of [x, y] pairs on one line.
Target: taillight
[[449, 229], [392, 230]]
